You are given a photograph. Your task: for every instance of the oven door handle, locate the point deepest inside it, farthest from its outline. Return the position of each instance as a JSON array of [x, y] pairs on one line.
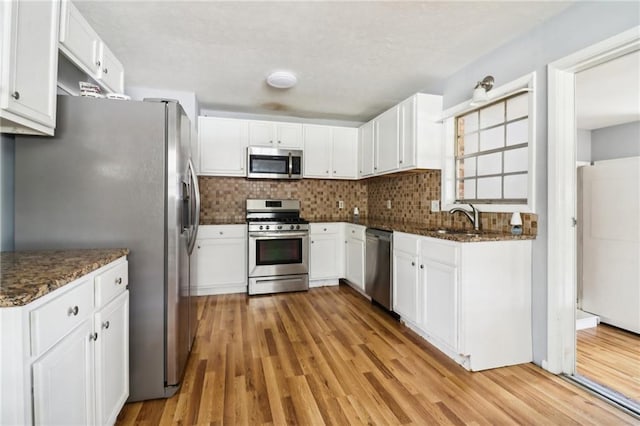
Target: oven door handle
[[277, 234]]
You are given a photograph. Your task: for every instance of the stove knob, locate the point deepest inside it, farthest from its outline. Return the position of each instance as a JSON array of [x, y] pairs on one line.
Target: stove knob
[[297, 226], [261, 227], [291, 227], [279, 226], [267, 227]]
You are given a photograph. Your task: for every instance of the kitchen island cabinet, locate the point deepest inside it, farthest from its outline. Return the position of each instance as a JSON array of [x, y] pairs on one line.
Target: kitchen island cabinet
[[473, 299], [64, 327]]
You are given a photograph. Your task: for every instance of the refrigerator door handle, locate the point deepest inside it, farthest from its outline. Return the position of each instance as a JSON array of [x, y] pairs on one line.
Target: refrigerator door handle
[[194, 214]]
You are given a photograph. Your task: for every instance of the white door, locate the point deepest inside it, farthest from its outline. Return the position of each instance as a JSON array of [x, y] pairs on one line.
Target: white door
[[387, 140], [289, 135], [344, 152], [405, 286], [407, 147], [63, 383], [355, 262], [223, 146], [221, 262], [367, 149], [323, 256], [317, 151], [262, 133], [439, 301], [33, 61], [112, 359]]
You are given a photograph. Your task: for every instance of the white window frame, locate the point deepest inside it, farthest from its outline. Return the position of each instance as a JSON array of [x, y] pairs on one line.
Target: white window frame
[[522, 84]]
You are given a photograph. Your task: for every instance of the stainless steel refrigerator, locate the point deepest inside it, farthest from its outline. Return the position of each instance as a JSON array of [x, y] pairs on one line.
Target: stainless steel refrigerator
[[119, 174]]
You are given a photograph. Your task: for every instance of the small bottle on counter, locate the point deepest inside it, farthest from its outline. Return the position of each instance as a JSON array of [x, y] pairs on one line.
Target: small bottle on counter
[[356, 215], [516, 224]]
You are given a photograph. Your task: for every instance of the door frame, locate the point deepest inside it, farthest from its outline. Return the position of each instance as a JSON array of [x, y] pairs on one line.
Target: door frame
[[562, 192]]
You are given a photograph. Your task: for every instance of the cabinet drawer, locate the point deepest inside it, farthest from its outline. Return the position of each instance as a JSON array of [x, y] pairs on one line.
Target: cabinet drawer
[[222, 231], [111, 283], [324, 228], [355, 231], [439, 251], [406, 243], [52, 321]]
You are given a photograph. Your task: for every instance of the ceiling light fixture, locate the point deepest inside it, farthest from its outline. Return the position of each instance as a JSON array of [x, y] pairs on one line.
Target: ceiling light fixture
[[282, 79], [480, 91]]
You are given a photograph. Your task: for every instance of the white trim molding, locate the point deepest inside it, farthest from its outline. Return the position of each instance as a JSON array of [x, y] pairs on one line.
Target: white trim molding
[[561, 162]]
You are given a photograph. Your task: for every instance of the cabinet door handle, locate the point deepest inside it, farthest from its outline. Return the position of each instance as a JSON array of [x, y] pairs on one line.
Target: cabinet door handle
[[325, 229], [105, 324], [105, 70], [93, 336], [312, 241], [98, 63], [73, 311], [421, 266], [413, 263], [198, 246], [270, 141], [15, 95], [119, 280], [279, 142], [221, 233], [334, 171]]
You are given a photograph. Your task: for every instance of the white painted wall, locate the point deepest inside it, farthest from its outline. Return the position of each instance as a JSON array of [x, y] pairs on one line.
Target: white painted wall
[[613, 142], [7, 155], [581, 25]]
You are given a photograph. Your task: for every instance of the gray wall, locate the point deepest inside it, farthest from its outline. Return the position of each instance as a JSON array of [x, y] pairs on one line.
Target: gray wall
[[580, 26], [7, 155], [583, 148], [612, 142]]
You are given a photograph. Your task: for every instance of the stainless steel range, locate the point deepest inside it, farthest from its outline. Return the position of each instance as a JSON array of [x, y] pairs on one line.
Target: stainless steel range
[[278, 247]]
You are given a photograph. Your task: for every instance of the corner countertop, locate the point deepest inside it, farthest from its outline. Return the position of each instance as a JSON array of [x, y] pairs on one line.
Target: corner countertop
[[27, 275], [421, 229]]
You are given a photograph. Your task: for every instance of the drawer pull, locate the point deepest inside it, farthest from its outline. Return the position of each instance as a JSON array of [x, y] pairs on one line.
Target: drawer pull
[[325, 229], [413, 263], [15, 95], [105, 324], [421, 266], [93, 336], [73, 311], [119, 280]]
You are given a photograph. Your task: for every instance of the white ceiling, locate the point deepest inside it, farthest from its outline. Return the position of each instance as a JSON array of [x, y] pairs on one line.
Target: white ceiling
[[353, 59], [609, 94]]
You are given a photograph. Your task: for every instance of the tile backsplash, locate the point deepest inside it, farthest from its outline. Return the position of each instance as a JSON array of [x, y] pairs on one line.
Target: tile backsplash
[[410, 195]]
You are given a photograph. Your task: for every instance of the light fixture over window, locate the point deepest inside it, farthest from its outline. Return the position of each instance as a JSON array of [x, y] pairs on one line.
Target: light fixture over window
[[282, 79], [480, 91]]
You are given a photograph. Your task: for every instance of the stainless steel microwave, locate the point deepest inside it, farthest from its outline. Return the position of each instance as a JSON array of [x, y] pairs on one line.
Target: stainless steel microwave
[[273, 163]]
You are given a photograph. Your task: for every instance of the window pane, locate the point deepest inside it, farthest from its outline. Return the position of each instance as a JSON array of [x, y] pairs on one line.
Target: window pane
[[492, 115], [469, 166], [468, 123], [516, 160], [518, 107], [490, 188], [515, 186], [469, 192], [490, 164], [471, 144], [492, 138], [518, 132]]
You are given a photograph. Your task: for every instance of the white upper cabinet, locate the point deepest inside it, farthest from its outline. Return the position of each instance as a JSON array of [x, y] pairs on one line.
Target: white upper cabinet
[[420, 132], [223, 146], [275, 134], [386, 140], [29, 66], [367, 150], [83, 46], [330, 152]]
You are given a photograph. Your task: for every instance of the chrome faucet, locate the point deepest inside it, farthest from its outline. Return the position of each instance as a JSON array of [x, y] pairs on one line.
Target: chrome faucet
[[475, 218]]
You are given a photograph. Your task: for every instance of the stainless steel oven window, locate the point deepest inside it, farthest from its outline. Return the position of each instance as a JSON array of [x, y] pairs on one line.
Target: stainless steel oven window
[[282, 251]]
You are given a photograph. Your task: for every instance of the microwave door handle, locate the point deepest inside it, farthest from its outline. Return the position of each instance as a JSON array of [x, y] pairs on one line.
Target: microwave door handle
[[290, 165]]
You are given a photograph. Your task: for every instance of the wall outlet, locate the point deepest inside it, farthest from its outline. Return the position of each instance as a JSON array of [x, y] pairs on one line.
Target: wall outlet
[[435, 206], [388, 204], [340, 204]]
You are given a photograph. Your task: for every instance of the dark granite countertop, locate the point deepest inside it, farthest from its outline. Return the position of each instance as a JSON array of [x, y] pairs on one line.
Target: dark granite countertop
[[27, 275], [421, 229]]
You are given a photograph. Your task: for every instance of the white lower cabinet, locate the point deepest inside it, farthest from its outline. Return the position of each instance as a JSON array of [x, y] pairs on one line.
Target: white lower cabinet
[[65, 356], [473, 299], [221, 260], [326, 253], [354, 255]]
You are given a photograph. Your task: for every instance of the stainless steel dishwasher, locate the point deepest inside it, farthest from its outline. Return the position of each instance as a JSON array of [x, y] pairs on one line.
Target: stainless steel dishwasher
[[378, 266]]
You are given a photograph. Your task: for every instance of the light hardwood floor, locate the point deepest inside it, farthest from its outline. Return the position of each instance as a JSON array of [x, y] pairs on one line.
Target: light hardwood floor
[[611, 357], [328, 357]]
